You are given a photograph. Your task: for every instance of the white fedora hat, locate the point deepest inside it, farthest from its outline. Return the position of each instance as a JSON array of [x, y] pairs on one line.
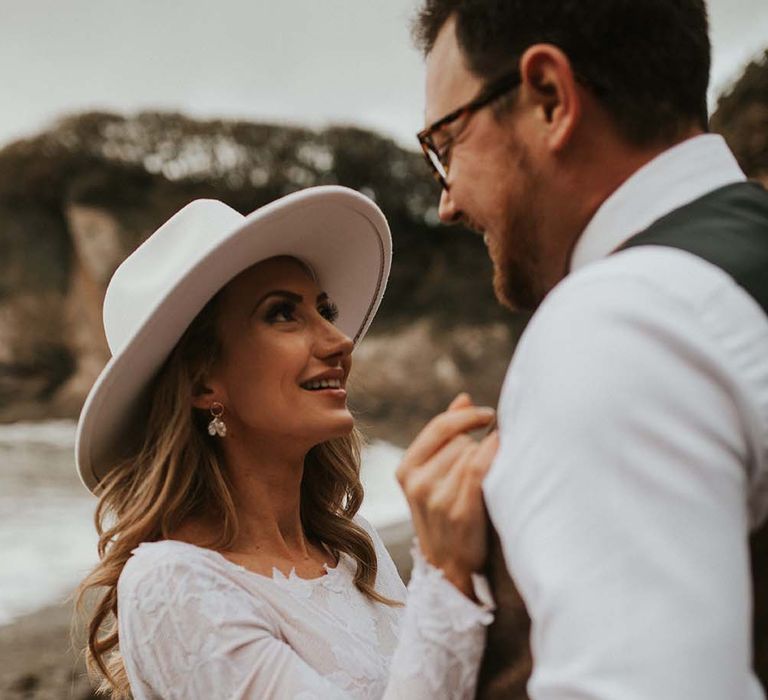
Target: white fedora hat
[[159, 289]]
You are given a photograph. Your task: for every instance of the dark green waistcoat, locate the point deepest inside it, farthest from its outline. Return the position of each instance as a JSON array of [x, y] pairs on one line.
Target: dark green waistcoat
[[729, 228]]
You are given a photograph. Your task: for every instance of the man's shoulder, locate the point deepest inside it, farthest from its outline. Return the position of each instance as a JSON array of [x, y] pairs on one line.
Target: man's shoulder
[[650, 285], [625, 279], [636, 307]]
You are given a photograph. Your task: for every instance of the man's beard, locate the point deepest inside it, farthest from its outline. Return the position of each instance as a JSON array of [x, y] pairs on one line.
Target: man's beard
[[517, 259], [515, 278]]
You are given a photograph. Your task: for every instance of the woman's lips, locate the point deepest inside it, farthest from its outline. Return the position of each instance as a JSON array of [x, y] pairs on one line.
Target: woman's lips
[[336, 393], [330, 391], [329, 384]]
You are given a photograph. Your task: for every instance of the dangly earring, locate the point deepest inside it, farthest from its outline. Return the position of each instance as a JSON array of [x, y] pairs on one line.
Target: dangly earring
[[217, 426]]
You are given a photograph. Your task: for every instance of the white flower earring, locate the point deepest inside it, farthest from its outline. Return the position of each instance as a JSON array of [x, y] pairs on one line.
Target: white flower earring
[[217, 426]]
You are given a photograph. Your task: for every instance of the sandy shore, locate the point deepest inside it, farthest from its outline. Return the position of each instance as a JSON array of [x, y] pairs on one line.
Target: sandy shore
[[39, 662], [37, 659]]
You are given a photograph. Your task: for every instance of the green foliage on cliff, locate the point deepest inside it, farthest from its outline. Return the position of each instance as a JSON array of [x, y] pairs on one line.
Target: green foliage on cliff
[[742, 117]]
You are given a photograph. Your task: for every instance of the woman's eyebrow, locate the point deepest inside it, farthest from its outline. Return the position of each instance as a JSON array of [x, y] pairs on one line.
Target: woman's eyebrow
[[291, 296]]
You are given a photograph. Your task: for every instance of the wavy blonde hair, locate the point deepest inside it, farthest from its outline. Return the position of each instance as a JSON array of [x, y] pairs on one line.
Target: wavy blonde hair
[[177, 473]]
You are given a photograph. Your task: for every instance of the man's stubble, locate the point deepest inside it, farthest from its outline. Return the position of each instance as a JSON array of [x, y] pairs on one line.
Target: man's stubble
[[518, 278]]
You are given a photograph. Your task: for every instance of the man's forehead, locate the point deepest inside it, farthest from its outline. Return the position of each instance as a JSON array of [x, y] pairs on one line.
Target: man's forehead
[[449, 82]]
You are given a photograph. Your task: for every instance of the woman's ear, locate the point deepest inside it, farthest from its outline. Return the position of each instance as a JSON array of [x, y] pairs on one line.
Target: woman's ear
[[203, 395]]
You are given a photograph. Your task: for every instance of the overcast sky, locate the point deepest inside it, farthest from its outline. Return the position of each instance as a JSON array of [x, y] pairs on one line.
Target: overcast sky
[[311, 62]]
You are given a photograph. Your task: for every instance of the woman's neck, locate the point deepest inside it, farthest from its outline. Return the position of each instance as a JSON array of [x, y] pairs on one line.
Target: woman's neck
[[266, 487]]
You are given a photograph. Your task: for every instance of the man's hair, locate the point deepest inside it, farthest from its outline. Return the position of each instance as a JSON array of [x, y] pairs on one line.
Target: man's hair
[[646, 61]]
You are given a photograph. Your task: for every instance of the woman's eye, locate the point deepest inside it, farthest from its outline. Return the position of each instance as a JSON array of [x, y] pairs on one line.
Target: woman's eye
[[329, 311], [285, 311]]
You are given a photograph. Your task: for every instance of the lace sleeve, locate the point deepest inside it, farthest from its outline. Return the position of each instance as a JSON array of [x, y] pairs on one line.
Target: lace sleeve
[[442, 637], [442, 633]]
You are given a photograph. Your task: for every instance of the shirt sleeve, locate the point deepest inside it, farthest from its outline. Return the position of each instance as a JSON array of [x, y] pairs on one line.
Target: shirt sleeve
[[187, 631], [619, 493]]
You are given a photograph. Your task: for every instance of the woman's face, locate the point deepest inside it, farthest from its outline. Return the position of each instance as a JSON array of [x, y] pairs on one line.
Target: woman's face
[[284, 363]]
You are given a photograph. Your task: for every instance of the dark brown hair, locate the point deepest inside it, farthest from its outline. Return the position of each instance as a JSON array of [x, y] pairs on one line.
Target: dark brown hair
[[647, 61]]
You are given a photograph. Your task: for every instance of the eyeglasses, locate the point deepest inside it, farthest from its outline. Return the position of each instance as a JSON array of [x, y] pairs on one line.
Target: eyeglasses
[[436, 157]]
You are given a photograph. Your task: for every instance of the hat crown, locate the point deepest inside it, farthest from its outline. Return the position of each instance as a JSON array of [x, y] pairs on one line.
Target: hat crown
[[150, 273]]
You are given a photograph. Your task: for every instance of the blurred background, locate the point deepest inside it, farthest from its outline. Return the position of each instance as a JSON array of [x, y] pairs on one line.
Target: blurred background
[[114, 116]]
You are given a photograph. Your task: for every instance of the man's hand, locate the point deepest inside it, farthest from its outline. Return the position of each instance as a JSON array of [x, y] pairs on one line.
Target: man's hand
[[441, 475]]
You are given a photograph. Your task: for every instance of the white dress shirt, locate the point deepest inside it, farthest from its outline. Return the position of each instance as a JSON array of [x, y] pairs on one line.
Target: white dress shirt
[[634, 458]]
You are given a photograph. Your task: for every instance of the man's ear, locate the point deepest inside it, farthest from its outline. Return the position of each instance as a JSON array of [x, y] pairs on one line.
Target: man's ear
[[552, 90]]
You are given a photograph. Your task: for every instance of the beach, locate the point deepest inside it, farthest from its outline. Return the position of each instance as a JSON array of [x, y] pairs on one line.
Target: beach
[[48, 542], [39, 660]]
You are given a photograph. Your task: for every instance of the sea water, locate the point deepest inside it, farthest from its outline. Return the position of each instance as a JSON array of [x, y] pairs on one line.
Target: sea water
[[47, 534]]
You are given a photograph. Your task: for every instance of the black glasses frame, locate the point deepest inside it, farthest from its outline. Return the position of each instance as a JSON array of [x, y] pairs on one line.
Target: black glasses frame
[[432, 154]]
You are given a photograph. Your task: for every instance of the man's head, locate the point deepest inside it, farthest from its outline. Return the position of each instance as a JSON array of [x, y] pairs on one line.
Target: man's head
[[598, 87]]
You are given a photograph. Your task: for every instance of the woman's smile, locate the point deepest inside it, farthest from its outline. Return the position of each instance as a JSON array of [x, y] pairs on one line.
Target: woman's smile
[[328, 383]]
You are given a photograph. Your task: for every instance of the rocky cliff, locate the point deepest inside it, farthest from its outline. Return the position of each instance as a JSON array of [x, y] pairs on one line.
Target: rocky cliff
[[76, 199]]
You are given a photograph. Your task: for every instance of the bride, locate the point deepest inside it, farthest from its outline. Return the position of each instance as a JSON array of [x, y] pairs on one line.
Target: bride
[[233, 563]]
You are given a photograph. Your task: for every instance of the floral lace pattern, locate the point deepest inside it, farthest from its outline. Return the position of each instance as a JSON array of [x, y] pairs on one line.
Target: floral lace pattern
[[195, 625]]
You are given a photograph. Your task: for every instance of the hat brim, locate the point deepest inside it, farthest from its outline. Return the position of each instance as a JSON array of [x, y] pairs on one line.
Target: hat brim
[[340, 234]]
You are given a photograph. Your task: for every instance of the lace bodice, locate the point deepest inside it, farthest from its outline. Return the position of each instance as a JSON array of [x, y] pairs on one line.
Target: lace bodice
[[194, 625]]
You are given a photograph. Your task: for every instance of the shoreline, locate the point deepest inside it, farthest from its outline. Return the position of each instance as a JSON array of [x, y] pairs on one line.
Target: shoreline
[[39, 662]]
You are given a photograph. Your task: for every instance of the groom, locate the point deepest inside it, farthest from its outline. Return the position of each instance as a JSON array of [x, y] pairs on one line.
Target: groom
[[634, 416]]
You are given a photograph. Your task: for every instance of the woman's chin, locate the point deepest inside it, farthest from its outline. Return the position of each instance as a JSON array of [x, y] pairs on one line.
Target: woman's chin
[[341, 427]]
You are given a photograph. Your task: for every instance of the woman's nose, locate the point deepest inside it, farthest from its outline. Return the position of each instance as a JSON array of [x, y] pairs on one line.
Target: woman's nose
[[334, 342]]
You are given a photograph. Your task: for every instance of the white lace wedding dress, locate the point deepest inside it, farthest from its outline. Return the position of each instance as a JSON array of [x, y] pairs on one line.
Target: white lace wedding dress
[[194, 625]]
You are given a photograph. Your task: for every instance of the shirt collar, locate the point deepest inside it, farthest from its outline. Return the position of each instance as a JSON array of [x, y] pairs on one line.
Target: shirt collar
[[672, 179]]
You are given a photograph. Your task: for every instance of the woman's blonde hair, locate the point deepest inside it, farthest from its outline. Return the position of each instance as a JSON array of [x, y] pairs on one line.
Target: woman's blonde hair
[[177, 473]]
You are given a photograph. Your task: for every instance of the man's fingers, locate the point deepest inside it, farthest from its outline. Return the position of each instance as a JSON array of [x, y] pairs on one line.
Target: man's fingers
[[444, 428]]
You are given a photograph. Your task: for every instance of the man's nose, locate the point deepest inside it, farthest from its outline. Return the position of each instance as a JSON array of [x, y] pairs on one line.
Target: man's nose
[[448, 212]]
